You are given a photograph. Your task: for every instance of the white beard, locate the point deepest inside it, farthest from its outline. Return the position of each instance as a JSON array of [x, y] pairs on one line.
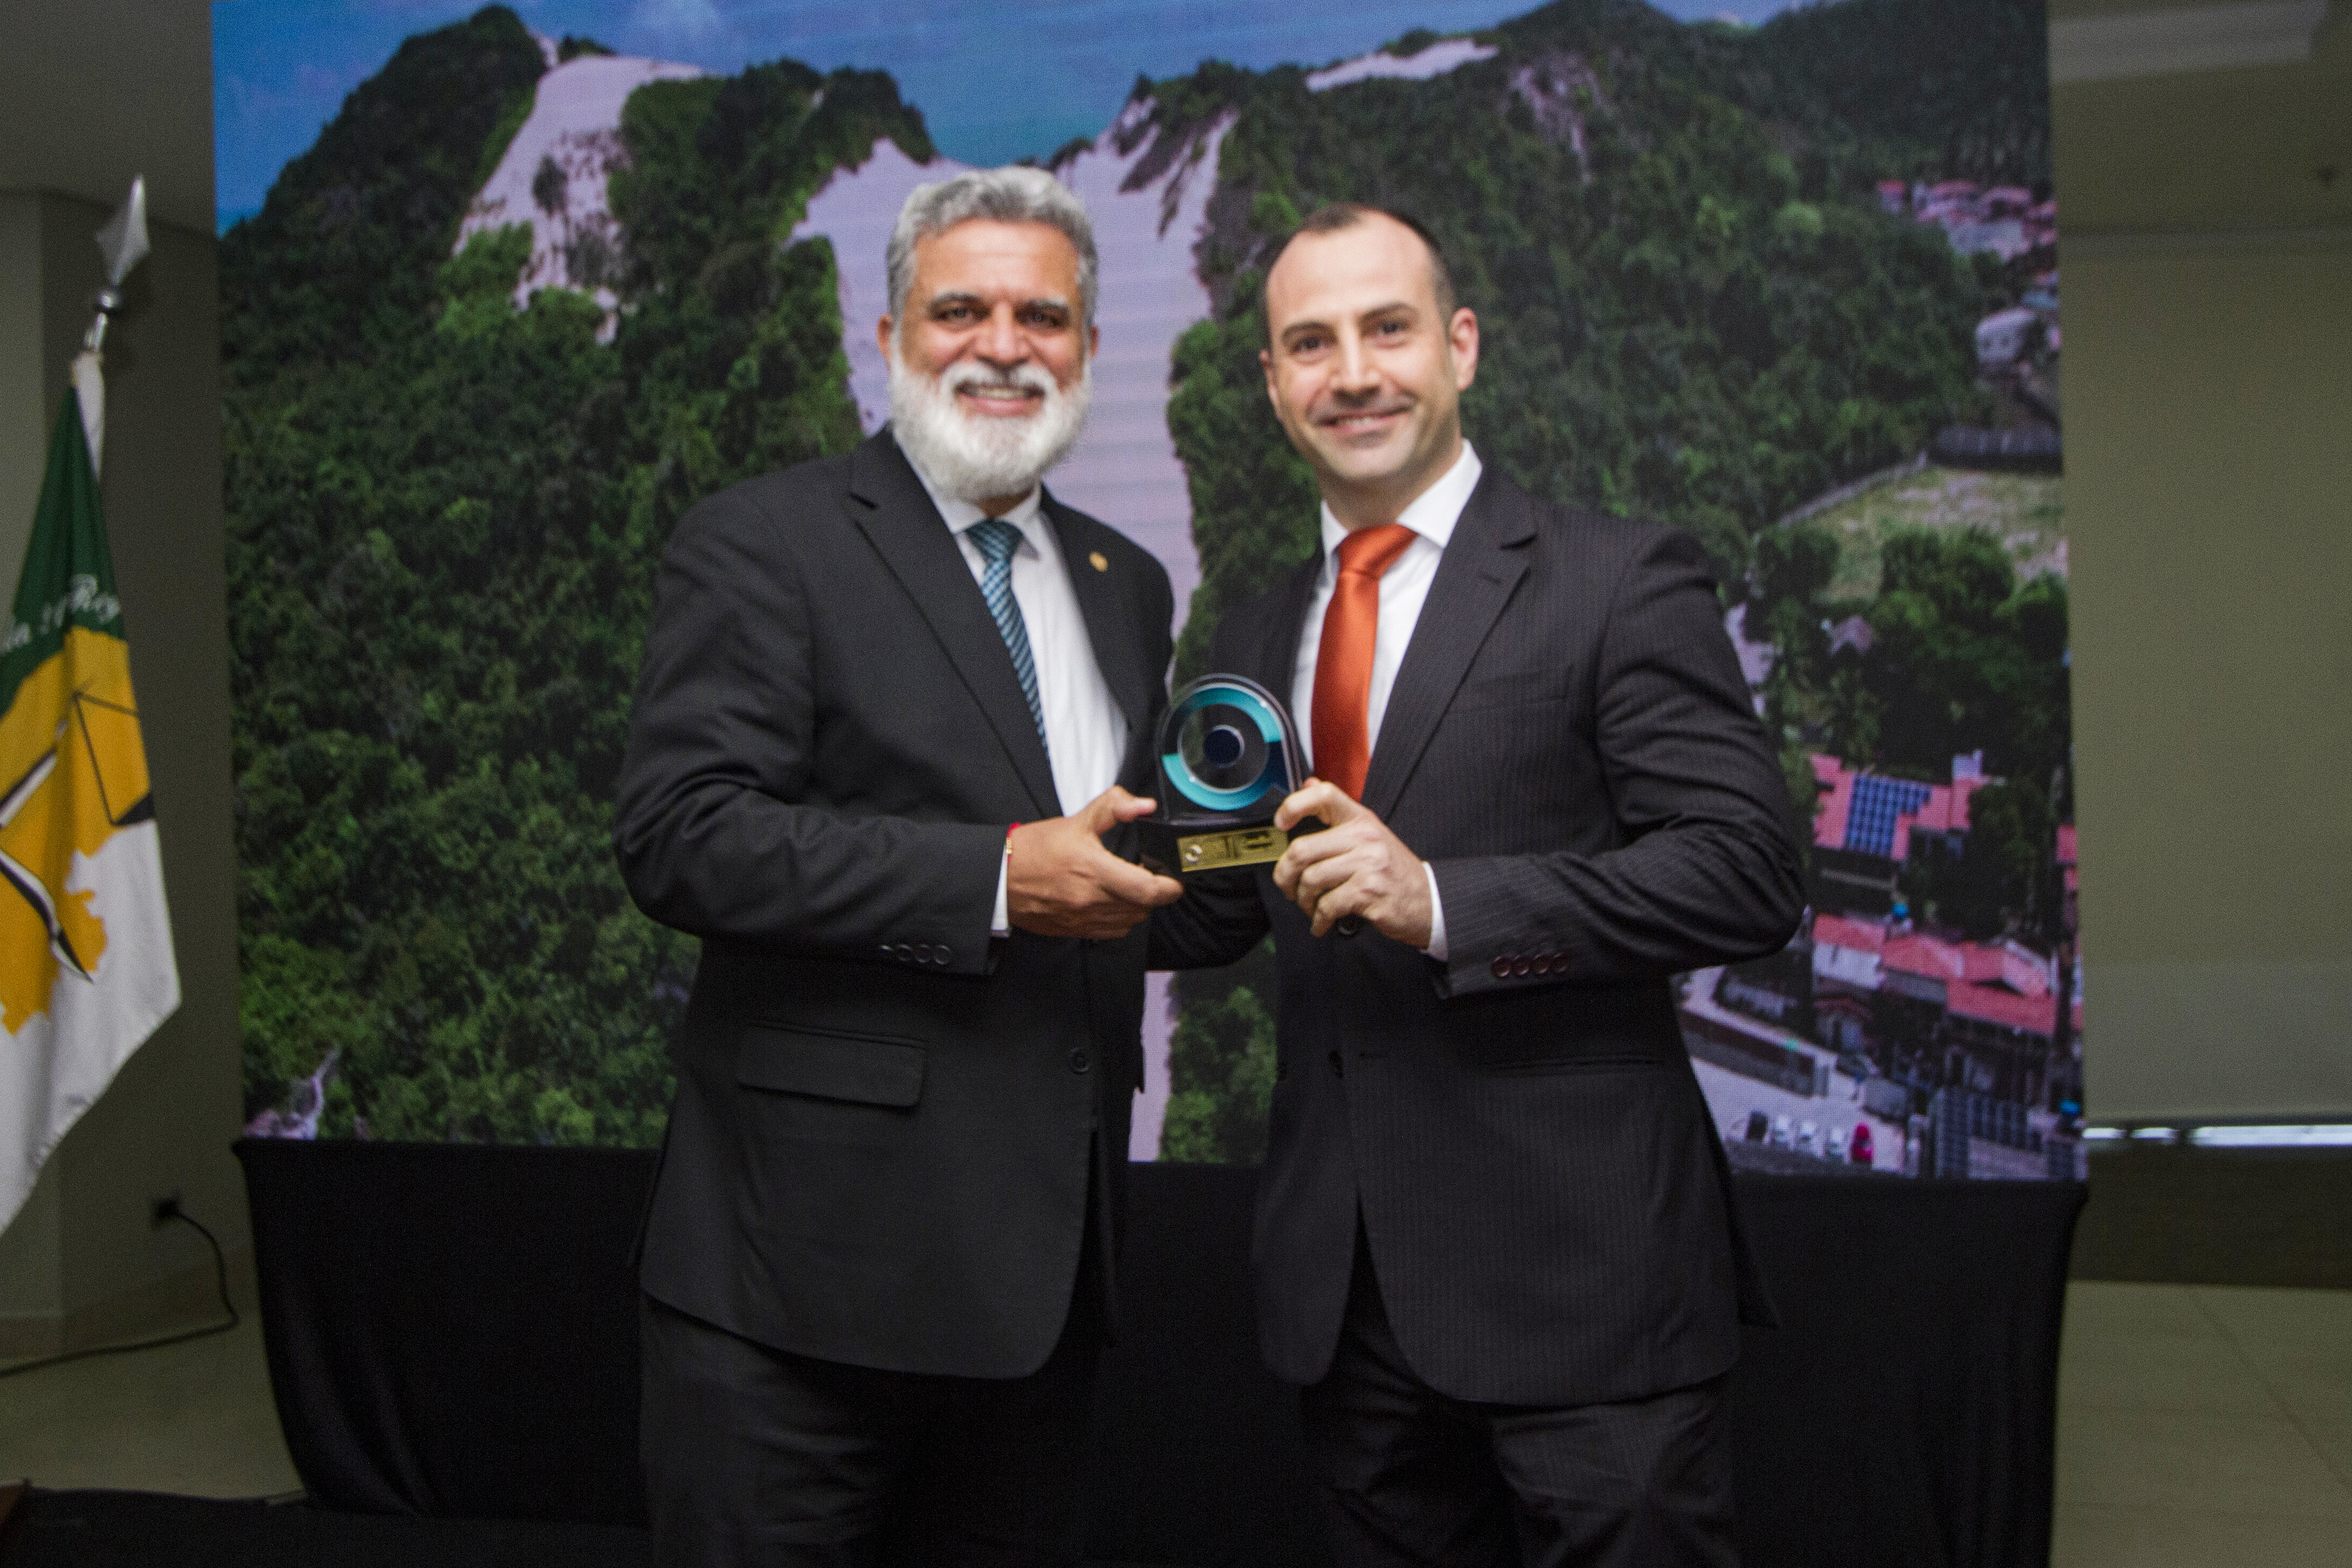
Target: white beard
[[982, 458]]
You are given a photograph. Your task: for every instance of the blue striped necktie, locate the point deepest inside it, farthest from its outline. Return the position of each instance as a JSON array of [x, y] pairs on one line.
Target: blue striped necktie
[[998, 540]]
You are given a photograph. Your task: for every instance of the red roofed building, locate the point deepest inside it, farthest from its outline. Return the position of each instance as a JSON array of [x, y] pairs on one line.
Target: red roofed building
[[2000, 1008], [1981, 1015], [1846, 951], [1930, 966], [1946, 813], [1929, 1011], [1876, 814], [1834, 801], [2005, 1036], [1860, 936], [2002, 1013], [1924, 968]]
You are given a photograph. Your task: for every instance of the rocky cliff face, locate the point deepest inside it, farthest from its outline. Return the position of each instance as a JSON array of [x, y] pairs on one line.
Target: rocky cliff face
[[554, 173]]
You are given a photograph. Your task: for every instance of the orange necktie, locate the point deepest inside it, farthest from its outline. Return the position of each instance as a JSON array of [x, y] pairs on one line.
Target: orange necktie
[[1343, 665]]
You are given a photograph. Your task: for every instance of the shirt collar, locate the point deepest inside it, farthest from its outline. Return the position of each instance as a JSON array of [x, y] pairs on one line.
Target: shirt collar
[[1434, 512], [961, 514]]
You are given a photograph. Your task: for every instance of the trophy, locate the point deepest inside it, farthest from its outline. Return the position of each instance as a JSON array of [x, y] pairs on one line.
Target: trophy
[[1228, 755]]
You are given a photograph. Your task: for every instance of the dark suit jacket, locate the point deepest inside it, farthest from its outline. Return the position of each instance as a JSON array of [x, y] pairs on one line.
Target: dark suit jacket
[[886, 1121], [1569, 744]]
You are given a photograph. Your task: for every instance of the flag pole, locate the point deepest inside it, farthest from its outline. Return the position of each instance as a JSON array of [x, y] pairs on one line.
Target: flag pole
[[122, 245]]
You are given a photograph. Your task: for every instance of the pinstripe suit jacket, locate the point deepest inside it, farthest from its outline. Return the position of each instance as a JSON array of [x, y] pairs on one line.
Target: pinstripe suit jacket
[[1569, 744]]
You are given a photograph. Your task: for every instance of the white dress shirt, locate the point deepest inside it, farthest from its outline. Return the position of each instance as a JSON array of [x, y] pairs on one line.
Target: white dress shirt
[[1085, 731], [1404, 588]]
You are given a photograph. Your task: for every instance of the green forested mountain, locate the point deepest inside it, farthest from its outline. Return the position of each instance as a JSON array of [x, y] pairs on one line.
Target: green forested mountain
[[1927, 87], [444, 520], [341, 259], [444, 514], [1691, 304]]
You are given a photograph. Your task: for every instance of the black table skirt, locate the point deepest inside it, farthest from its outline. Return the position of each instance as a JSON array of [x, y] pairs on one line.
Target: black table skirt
[[452, 1332]]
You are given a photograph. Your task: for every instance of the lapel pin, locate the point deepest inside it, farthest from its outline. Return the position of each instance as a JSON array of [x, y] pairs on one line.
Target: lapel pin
[[1101, 561]]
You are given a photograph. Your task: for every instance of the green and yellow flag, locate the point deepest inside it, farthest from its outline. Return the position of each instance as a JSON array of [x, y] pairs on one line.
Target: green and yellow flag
[[86, 967]]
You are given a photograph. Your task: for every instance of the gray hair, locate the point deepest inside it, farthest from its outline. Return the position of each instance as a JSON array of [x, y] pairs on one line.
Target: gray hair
[[1015, 194]]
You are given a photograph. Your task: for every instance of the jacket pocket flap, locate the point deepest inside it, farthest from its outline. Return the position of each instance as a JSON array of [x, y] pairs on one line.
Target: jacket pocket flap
[[1515, 689], [833, 1067]]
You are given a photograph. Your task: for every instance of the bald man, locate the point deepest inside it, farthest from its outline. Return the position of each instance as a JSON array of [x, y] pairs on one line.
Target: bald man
[[1495, 1238]]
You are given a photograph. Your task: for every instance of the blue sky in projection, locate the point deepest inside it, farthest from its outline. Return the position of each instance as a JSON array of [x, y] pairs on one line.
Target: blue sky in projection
[[994, 82]]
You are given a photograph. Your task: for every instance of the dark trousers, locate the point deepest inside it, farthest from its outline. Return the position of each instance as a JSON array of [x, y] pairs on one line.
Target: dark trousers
[[754, 1456], [1411, 1476]]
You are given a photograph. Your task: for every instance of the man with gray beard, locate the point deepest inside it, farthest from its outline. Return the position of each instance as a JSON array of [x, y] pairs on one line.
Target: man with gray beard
[[892, 705]]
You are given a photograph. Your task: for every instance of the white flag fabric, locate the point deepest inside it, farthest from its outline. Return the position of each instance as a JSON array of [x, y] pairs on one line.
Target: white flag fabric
[[86, 964]]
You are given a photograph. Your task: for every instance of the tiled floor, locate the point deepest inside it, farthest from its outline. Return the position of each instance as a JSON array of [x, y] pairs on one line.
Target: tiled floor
[[194, 1418], [2199, 1426], [2202, 1425]]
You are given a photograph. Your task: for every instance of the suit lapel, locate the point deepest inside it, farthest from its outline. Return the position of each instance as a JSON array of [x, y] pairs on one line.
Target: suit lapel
[[1282, 632], [891, 507], [1483, 563]]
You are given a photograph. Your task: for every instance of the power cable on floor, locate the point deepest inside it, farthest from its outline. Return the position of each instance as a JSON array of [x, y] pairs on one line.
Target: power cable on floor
[[167, 1209]]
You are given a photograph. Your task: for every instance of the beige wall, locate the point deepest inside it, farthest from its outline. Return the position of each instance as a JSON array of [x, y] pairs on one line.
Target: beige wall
[[94, 91], [2210, 504], [22, 437], [2207, 289]]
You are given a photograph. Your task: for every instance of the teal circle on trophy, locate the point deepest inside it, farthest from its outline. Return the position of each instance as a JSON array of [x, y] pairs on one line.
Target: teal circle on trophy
[[1228, 756]]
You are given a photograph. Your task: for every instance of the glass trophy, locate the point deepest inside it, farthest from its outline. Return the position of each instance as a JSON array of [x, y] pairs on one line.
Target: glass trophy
[[1228, 756]]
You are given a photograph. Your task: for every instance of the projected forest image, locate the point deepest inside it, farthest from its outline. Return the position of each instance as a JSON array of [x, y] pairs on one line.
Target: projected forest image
[[524, 300]]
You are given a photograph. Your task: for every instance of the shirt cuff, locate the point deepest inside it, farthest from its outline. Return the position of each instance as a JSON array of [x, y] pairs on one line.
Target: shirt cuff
[[1001, 922], [1436, 948]]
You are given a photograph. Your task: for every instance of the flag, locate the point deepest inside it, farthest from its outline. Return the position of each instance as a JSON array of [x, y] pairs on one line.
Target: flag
[[86, 967]]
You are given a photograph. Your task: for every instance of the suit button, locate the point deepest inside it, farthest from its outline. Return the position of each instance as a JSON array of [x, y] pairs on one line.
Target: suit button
[[1501, 968], [1348, 925], [1543, 963], [923, 952], [1080, 1061], [1338, 1068], [904, 953], [940, 954], [1522, 965]]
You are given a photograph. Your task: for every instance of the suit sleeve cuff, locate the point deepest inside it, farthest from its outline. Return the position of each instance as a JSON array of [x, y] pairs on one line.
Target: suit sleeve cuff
[[1436, 948]]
